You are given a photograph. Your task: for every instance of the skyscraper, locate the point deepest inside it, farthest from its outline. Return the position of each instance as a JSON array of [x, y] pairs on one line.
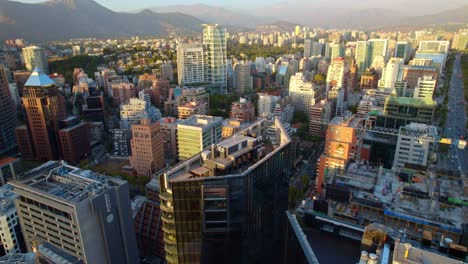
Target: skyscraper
[[242, 77], [337, 50], [214, 40], [363, 56], [45, 108], [8, 115], [190, 64], [378, 47], [147, 148], [35, 57], [83, 213], [227, 204], [337, 74], [402, 50]]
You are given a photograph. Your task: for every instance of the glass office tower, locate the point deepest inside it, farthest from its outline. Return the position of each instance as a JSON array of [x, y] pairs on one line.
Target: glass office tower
[[227, 204], [214, 40]]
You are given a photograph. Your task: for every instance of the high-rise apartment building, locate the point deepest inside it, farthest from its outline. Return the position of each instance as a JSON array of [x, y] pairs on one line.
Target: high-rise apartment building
[[337, 74], [303, 93], [425, 88], [169, 137], [83, 213], [196, 133], [237, 192], [414, 144], [8, 115], [320, 115], [266, 104], [122, 92], [147, 148], [190, 64], [45, 108], [337, 50], [369, 79], [242, 77], [243, 111], [342, 142], [390, 73], [121, 142], [167, 71], [434, 46], [74, 140], [35, 57], [363, 56], [136, 109], [308, 43], [460, 41], [214, 40]]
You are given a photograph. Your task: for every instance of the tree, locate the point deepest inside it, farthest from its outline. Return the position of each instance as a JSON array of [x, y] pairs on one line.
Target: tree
[[319, 78]]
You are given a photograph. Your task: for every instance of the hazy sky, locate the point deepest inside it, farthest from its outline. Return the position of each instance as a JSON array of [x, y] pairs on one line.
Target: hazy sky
[[125, 5]]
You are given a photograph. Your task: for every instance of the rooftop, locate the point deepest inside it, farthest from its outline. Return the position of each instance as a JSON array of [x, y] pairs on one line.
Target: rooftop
[[7, 199], [406, 253], [235, 156], [201, 121], [39, 79], [427, 101], [70, 184]]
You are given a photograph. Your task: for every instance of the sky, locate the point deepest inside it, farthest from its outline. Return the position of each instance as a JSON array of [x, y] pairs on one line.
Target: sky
[[125, 5]]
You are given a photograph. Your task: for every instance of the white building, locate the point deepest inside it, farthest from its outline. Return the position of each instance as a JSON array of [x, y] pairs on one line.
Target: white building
[[303, 94], [390, 73], [414, 144], [9, 225], [35, 56], [437, 46], [138, 109], [214, 40], [266, 104], [190, 64], [336, 73], [425, 88]]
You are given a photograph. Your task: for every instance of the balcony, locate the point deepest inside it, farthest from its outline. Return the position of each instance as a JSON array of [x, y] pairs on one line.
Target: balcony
[[166, 208], [169, 228], [170, 239], [165, 196], [168, 218], [171, 249], [172, 259]]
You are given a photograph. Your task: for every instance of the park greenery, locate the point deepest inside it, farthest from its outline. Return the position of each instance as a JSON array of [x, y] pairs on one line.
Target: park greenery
[[66, 65]]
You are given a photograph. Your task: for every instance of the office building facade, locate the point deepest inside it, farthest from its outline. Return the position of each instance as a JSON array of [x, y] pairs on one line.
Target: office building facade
[[237, 194], [8, 115], [83, 213], [35, 57], [190, 64]]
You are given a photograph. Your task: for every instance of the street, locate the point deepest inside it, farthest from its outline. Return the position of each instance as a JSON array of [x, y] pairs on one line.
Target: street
[[456, 159]]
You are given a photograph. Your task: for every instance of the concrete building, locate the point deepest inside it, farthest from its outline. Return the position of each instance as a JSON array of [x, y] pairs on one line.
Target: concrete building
[[434, 46], [20, 78], [284, 110], [167, 71], [400, 111], [412, 73], [147, 148], [122, 92], [190, 64], [390, 73], [74, 140], [83, 213], [169, 137], [460, 41], [337, 51], [342, 142], [214, 40], [242, 77], [8, 115], [190, 109], [121, 142], [25, 144], [183, 96], [369, 79], [243, 111], [11, 238], [238, 193], [425, 88], [378, 47], [414, 145], [45, 107], [303, 94], [196, 133], [135, 110], [266, 104], [320, 116], [35, 57], [337, 74]]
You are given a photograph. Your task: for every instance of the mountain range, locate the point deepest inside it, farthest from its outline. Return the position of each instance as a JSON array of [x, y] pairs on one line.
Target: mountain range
[[64, 19]]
